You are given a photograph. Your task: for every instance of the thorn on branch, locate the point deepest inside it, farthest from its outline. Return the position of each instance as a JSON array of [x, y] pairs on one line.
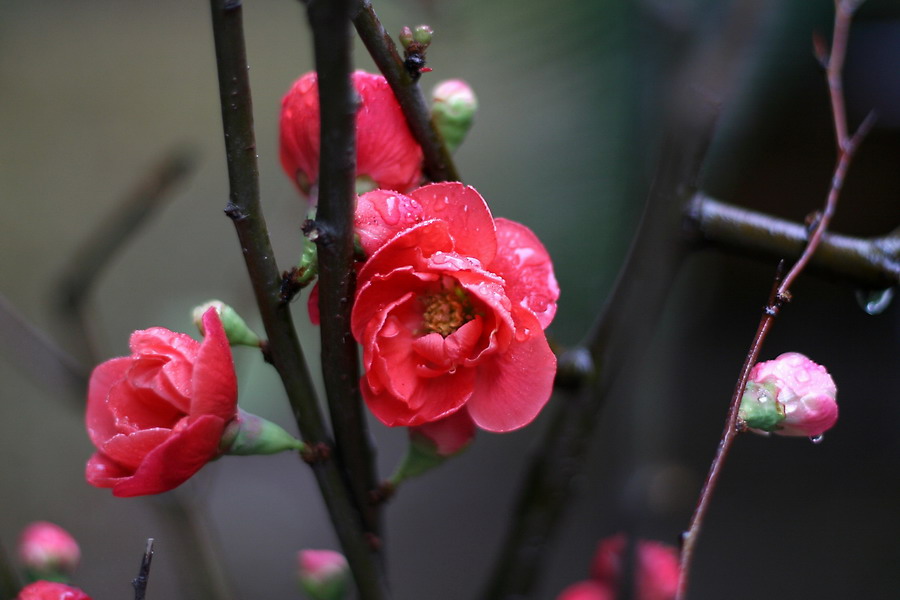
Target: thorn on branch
[[384, 492], [234, 212], [266, 350]]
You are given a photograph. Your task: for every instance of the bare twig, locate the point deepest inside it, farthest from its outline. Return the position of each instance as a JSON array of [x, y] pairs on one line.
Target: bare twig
[[139, 583], [781, 289], [331, 29], [89, 261], [245, 211], [868, 263], [438, 163], [9, 581]]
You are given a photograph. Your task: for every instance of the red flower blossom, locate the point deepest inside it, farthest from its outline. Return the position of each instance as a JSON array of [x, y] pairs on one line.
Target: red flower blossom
[[157, 416], [656, 568], [49, 590], [448, 436], [587, 590], [386, 151], [450, 310]]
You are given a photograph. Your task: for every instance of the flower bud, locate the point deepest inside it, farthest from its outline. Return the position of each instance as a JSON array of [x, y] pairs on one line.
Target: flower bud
[[432, 443], [656, 569], [587, 590], [250, 434], [47, 551], [453, 107], [323, 574], [422, 35], [236, 330], [49, 590], [790, 395], [406, 37]]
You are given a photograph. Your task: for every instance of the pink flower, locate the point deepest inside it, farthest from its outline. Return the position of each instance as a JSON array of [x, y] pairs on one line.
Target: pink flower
[[157, 416], [450, 310], [656, 570], [386, 151], [447, 436], [804, 391], [587, 590], [323, 574], [47, 549], [48, 590]]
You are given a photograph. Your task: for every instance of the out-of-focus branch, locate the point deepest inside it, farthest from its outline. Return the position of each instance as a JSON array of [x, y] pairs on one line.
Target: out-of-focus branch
[[588, 371], [245, 211], [9, 581], [333, 235], [89, 261], [870, 263], [438, 162], [781, 293]]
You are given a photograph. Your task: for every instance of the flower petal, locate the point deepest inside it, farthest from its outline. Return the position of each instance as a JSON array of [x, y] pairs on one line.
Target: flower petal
[[525, 265], [513, 388], [470, 220], [101, 424], [382, 214], [173, 462], [409, 248], [215, 382], [433, 399], [130, 449]]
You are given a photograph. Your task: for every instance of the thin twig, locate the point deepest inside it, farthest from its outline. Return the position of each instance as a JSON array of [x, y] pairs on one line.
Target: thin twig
[[140, 582], [245, 211], [868, 263], [330, 24], [438, 162], [89, 261], [624, 325], [9, 581], [781, 289]]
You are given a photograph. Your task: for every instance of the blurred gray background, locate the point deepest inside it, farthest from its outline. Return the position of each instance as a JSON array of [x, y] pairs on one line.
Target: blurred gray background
[[572, 95]]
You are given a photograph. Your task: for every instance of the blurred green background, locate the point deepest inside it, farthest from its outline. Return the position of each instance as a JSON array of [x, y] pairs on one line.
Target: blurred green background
[[572, 97]]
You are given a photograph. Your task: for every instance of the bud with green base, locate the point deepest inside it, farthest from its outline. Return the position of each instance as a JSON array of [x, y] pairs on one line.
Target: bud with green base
[[250, 434], [236, 330], [324, 574], [433, 443], [453, 108]]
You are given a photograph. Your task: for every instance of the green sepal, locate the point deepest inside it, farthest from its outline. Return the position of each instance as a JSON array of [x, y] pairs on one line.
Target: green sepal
[[421, 456], [250, 434], [760, 408], [236, 329]]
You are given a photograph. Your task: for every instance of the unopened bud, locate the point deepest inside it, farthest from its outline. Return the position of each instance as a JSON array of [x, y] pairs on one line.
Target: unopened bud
[[250, 434], [453, 107], [406, 37], [790, 395], [324, 574], [47, 551], [422, 35], [237, 331]]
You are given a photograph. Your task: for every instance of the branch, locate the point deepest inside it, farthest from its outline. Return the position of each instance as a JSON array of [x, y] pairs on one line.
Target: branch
[[287, 356], [9, 581], [89, 261], [870, 263], [139, 583], [588, 371], [333, 235], [781, 289], [438, 163]]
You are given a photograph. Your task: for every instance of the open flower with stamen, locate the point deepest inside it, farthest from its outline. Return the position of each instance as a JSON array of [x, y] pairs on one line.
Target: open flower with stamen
[[450, 309]]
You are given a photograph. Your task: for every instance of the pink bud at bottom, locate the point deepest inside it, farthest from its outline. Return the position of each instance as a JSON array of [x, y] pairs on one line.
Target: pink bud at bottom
[[49, 590], [587, 590], [323, 574], [48, 551]]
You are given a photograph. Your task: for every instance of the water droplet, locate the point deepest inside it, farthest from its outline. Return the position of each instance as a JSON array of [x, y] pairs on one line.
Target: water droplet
[[816, 439], [875, 302]]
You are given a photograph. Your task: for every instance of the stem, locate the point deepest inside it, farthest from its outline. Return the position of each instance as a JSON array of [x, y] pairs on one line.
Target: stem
[[330, 24], [438, 162], [625, 324], [9, 581], [140, 582], [781, 290], [89, 261], [870, 263], [287, 356]]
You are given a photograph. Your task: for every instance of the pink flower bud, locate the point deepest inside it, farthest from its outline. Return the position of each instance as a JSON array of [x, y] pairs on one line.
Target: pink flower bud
[[656, 569], [48, 551], [323, 574], [587, 590], [804, 391], [48, 590]]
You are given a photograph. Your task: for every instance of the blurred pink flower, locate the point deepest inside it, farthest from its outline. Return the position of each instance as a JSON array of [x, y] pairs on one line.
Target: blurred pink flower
[[587, 590], [49, 590], [656, 569], [48, 550]]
